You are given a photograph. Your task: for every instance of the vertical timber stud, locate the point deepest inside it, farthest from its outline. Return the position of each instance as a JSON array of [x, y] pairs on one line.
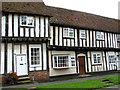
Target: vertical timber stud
[[78, 40], [87, 62], [106, 60], [47, 58], [28, 55], [42, 54], [91, 61], [76, 61], [6, 57], [13, 57]]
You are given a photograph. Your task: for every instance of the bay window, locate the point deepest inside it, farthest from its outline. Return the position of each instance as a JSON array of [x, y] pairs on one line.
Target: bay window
[[60, 61]]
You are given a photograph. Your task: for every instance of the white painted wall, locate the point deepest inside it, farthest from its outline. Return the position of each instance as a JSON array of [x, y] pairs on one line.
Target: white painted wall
[[2, 58], [9, 58], [44, 57]]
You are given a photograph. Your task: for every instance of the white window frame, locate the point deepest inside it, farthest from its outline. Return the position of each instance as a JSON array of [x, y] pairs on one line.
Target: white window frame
[[98, 55], [69, 31], [113, 60], [57, 61], [73, 60], [36, 46], [99, 35], [82, 34], [118, 37], [27, 21]]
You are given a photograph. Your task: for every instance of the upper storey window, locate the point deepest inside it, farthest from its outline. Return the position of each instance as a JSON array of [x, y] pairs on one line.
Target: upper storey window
[[118, 37], [82, 34], [99, 35], [68, 32], [26, 21]]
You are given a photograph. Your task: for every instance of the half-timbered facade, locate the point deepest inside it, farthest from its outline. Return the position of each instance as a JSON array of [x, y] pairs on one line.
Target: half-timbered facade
[[82, 43], [42, 41], [24, 40]]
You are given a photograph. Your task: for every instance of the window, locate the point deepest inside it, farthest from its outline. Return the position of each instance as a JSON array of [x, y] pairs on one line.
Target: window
[[118, 37], [112, 59], [96, 58], [60, 61], [73, 61], [68, 32], [82, 34], [35, 58], [99, 35], [26, 21]]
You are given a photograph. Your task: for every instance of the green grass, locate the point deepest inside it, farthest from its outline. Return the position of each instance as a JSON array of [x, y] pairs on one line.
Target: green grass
[[115, 79], [96, 83]]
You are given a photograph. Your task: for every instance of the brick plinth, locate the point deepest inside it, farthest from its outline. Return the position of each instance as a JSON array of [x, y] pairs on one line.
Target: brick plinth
[[39, 75], [2, 79]]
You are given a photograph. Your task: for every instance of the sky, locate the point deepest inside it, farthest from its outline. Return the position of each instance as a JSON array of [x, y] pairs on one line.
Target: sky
[[106, 8]]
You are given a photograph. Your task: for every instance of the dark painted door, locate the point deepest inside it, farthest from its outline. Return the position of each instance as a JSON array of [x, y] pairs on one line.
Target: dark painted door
[[81, 64]]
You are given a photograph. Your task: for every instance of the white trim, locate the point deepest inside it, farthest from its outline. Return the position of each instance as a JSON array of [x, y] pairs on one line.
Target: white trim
[[69, 31], [99, 35], [96, 58], [84, 33], [35, 46], [57, 61], [118, 37], [27, 20]]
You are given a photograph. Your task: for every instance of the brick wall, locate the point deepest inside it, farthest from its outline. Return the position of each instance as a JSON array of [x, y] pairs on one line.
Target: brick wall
[[44, 75], [2, 79]]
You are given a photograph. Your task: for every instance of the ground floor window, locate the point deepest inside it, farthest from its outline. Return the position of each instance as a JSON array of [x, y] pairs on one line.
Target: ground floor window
[[60, 61], [112, 59], [73, 61], [35, 56], [97, 58]]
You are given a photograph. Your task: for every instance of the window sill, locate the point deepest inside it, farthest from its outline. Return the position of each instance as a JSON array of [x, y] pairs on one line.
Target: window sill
[[26, 26], [35, 66], [94, 64], [60, 67]]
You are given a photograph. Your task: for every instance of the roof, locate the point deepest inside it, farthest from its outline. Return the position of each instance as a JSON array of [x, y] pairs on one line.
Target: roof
[[82, 20], [63, 16], [38, 8]]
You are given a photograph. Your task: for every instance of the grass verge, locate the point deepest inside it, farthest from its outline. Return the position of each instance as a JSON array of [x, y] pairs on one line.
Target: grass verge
[[96, 83]]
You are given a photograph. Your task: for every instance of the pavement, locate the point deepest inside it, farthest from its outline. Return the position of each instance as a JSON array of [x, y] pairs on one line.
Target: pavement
[[31, 86]]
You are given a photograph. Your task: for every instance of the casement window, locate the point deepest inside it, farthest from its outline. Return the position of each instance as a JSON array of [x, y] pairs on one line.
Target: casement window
[[118, 38], [73, 63], [35, 56], [26, 21], [68, 32], [112, 59], [96, 58], [60, 61], [82, 34], [100, 35]]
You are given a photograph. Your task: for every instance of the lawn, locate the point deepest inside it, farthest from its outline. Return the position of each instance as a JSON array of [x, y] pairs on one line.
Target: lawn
[[96, 83]]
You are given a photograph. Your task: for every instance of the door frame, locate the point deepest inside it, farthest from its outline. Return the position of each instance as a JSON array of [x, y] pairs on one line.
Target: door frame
[[84, 64], [26, 63]]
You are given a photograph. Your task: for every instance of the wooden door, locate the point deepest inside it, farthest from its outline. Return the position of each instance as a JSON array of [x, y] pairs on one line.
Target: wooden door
[[81, 64]]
